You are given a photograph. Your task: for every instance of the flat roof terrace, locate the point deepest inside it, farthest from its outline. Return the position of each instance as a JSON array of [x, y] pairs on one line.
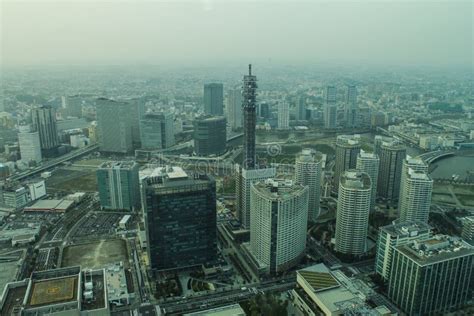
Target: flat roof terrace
[[53, 291]]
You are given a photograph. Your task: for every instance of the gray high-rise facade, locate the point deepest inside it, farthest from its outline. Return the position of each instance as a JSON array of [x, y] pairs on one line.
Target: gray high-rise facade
[[214, 99], [234, 109], [114, 126], [347, 149], [118, 185], [301, 108], [369, 163], [157, 130], [308, 173], [72, 106], [433, 276], [210, 135], [180, 218], [350, 111], [30, 146], [330, 108], [391, 156], [44, 122], [352, 216]]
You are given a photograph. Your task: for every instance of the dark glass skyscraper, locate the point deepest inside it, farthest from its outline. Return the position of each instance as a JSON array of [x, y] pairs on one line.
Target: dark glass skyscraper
[[44, 122], [180, 218], [214, 98], [210, 135], [392, 155]]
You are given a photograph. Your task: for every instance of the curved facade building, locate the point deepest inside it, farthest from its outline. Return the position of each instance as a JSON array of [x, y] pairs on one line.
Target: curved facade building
[[347, 149], [279, 217], [369, 163], [308, 172], [353, 208]]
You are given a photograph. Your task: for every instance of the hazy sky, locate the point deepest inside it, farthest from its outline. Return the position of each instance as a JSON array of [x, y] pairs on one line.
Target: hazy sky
[[173, 32]]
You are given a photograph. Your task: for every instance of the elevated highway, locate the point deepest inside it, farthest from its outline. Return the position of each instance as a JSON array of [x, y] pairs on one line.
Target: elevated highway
[[55, 162]]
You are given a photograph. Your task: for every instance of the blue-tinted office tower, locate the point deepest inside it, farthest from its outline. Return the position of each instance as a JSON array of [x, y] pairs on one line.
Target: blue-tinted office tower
[[210, 135], [157, 130], [214, 98], [180, 218], [118, 185]]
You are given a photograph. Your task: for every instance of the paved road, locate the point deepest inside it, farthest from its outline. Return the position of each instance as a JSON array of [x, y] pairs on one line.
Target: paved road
[[55, 162], [222, 298]]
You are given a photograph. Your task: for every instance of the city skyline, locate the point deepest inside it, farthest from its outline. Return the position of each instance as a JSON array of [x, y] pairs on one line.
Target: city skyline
[[236, 157]]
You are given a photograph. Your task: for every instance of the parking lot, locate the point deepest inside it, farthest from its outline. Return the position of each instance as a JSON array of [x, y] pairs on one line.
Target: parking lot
[[96, 225], [47, 259]]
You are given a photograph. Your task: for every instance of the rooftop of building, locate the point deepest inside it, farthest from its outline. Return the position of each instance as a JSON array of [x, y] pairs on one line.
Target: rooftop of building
[[436, 249], [367, 155], [13, 229], [418, 175], [228, 310], [174, 176], [309, 155], [209, 118], [8, 271], [353, 179], [53, 291], [118, 165], [406, 229], [348, 140], [50, 205], [278, 189], [14, 295], [116, 282], [318, 277], [93, 281], [393, 144], [415, 160], [338, 293]]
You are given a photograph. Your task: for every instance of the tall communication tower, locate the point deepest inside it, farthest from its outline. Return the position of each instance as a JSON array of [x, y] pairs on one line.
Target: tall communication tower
[[249, 95]]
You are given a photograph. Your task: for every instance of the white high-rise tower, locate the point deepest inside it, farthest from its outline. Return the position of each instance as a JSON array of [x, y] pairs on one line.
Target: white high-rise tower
[[30, 146], [415, 196], [308, 173], [353, 208], [369, 163], [279, 222]]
